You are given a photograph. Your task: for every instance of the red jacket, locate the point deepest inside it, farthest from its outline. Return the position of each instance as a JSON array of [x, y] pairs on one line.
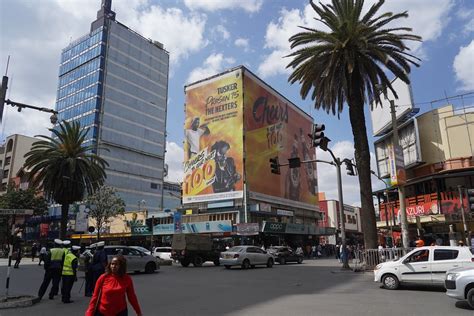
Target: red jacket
[[112, 299]]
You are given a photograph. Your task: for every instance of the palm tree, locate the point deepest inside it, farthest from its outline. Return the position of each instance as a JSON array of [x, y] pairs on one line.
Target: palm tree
[[64, 167], [346, 64]]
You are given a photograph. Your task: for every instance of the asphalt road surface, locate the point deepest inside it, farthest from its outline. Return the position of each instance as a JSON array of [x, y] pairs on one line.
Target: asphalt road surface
[[315, 287]]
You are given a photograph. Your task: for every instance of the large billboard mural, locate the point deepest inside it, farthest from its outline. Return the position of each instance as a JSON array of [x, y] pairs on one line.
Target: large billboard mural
[[274, 127], [213, 146]]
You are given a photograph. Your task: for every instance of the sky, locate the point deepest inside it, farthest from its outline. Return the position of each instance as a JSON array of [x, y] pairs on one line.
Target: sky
[[205, 37]]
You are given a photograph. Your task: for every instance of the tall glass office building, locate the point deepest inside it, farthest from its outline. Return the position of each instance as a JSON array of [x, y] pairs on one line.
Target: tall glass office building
[[115, 82]]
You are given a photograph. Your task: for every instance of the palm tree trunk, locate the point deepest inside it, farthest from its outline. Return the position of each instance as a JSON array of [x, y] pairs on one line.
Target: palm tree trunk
[[64, 220], [362, 156]]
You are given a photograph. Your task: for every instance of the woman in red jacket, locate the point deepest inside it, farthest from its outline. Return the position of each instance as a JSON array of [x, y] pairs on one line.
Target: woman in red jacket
[[109, 293]]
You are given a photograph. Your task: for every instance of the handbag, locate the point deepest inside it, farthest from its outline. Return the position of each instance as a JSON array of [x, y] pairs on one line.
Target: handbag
[[96, 307]]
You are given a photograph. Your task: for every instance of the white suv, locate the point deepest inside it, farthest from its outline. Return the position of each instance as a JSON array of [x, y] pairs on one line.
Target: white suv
[[423, 265], [460, 284]]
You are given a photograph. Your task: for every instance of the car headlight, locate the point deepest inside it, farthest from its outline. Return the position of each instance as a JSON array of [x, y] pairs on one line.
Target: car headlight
[[378, 267], [452, 276]]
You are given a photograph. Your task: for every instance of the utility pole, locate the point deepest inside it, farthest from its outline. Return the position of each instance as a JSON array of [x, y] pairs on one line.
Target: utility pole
[[466, 231], [401, 189]]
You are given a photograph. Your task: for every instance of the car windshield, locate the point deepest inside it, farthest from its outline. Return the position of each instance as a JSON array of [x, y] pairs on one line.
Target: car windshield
[[141, 249], [163, 249], [236, 249]]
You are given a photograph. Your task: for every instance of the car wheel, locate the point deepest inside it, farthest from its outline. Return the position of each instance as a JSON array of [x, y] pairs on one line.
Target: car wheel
[[217, 263], [185, 263], [197, 262], [470, 297], [270, 263], [390, 282], [282, 260], [150, 267], [246, 264], [227, 267], [300, 260]]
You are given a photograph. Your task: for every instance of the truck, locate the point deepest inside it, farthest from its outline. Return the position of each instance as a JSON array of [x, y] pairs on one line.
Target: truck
[[195, 249]]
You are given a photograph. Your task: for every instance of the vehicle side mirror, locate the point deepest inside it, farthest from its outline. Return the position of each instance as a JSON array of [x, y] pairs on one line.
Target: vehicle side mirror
[[407, 260]]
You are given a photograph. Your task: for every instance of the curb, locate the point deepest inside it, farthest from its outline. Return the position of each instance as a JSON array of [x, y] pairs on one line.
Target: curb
[[19, 301]]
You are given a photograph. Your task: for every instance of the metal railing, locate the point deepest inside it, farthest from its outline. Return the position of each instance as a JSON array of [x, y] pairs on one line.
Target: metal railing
[[369, 258]]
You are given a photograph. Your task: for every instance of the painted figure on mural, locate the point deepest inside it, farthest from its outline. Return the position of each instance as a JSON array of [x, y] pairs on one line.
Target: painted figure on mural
[[226, 175]]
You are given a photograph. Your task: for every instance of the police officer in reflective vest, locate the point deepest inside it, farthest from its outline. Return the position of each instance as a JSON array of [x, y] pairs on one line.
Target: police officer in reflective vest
[[69, 273], [53, 266]]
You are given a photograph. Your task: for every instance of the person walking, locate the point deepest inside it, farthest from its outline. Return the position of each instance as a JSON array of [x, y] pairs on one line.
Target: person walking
[[19, 255], [53, 267], [69, 273], [34, 250], [42, 255], [99, 263], [110, 290]]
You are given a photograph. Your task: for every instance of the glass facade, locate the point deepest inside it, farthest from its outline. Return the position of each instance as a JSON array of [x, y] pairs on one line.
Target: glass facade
[[115, 82], [81, 75]]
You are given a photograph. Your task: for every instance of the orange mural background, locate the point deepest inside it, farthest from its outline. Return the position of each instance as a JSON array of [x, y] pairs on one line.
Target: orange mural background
[[275, 127], [219, 106]]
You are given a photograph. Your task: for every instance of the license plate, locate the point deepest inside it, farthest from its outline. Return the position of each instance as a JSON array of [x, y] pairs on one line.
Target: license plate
[[228, 256]]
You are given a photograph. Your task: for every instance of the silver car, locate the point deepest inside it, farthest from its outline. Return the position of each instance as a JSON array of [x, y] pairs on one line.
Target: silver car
[[246, 257], [459, 284], [137, 260]]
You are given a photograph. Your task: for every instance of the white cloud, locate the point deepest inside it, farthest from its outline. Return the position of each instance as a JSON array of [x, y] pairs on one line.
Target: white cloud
[[467, 15], [35, 45], [464, 66], [327, 175], [242, 43], [427, 21], [247, 5], [214, 64], [174, 159], [222, 31]]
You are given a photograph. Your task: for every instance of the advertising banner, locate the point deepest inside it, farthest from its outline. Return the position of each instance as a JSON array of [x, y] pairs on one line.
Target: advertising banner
[[277, 128], [140, 230], [247, 229], [213, 147], [194, 228], [396, 165], [177, 222]]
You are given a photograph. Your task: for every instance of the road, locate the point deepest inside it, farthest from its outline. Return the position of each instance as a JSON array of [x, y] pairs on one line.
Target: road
[[315, 287]]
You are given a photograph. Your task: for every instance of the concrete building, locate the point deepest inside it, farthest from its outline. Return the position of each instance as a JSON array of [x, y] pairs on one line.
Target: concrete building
[[331, 219], [115, 82], [16, 146], [438, 151]]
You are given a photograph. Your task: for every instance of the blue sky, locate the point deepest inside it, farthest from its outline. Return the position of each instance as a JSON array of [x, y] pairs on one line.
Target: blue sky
[[205, 37]]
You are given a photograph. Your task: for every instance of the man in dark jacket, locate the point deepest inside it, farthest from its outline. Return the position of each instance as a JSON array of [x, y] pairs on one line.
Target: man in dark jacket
[[99, 262], [53, 267]]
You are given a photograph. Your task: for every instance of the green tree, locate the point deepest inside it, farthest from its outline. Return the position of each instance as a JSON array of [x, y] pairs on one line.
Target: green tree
[[16, 198], [346, 64], [105, 204], [65, 167]]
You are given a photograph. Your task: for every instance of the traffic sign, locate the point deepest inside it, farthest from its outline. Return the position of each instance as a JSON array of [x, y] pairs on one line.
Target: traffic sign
[[9, 211]]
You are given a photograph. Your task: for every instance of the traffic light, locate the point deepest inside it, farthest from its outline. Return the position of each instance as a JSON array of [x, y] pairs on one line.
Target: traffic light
[[275, 165], [294, 162], [349, 167], [317, 134], [470, 199]]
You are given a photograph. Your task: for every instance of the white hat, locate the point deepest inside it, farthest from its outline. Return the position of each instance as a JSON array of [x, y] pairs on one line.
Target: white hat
[[76, 247], [66, 242], [100, 244], [58, 241]]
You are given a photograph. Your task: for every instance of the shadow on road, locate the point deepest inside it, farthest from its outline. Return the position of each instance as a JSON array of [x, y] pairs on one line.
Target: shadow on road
[[463, 305], [424, 288]]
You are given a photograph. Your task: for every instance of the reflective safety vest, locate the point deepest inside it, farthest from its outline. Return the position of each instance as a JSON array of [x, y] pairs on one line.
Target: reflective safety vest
[[67, 267], [57, 254]]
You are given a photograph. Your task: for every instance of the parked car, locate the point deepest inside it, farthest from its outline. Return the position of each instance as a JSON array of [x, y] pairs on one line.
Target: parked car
[[136, 260], [423, 265], [460, 284], [163, 254], [246, 257], [282, 255], [142, 249]]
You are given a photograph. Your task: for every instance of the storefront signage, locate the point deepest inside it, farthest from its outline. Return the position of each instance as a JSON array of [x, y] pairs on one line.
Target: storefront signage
[[296, 229], [248, 229], [273, 227], [177, 222], [140, 230], [6, 211], [265, 207], [285, 213], [163, 229]]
